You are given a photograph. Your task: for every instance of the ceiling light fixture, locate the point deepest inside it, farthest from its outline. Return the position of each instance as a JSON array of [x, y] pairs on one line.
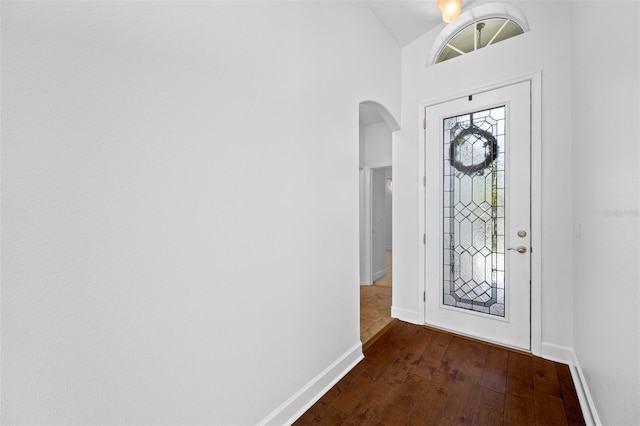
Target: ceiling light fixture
[[450, 9]]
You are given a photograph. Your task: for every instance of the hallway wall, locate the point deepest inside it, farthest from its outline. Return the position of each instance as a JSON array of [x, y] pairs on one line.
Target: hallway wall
[[378, 144], [165, 224], [388, 207], [606, 154]]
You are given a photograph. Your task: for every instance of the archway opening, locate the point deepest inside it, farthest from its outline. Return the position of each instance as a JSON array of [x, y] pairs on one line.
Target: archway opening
[[376, 126]]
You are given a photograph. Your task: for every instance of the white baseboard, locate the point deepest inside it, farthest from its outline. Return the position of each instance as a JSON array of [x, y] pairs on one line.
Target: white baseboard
[[381, 273], [568, 356], [584, 396], [310, 393], [405, 315], [557, 353]]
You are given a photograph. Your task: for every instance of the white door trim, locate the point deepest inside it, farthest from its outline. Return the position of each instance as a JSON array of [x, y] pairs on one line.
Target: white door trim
[[536, 197]]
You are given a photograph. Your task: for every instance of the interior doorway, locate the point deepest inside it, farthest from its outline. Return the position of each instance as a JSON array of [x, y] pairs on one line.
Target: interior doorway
[[381, 220], [376, 229], [375, 298]]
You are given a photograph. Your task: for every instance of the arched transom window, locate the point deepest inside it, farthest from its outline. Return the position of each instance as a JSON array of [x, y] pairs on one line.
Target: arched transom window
[[480, 27]]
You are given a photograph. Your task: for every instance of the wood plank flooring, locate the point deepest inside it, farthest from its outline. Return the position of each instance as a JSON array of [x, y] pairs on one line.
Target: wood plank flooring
[[375, 304], [414, 375]]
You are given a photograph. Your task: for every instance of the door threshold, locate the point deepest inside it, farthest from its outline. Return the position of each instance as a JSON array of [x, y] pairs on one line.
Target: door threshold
[[376, 336], [476, 339]]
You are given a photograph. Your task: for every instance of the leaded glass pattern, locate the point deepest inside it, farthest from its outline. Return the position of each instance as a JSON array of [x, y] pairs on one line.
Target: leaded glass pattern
[[474, 211]]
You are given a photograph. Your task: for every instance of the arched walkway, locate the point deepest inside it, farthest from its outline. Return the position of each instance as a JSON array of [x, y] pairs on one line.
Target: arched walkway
[[376, 128]]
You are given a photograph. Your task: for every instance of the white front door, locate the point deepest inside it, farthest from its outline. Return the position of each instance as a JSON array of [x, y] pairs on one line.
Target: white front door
[[478, 216]]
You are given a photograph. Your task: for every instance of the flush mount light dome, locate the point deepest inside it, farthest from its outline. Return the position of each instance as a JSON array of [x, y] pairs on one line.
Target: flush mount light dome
[[450, 9], [477, 28]]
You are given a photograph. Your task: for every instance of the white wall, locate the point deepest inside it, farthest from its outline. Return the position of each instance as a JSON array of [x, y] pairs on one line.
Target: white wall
[[606, 154], [378, 223], [378, 144], [362, 137], [362, 209], [165, 224], [363, 227], [546, 47], [388, 212]]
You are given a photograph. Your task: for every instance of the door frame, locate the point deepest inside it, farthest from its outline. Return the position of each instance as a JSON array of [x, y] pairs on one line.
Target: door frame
[[535, 79], [368, 219]]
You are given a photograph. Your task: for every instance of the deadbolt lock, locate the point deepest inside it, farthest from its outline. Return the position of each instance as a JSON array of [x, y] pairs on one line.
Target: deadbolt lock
[[522, 233]]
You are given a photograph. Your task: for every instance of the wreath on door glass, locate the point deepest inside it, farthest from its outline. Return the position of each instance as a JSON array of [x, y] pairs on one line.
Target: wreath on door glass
[[473, 135]]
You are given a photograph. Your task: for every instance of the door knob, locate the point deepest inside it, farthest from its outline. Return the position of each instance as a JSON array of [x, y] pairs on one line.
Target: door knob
[[520, 249]]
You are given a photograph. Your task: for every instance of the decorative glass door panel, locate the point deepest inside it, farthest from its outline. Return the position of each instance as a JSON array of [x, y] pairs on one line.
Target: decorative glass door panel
[[477, 215], [473, 213]]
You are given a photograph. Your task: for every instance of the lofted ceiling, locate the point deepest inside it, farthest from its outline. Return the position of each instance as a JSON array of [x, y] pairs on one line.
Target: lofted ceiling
[[407, 20]]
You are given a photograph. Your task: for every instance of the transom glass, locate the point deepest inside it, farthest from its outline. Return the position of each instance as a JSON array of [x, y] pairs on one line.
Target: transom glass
[[479, 34]]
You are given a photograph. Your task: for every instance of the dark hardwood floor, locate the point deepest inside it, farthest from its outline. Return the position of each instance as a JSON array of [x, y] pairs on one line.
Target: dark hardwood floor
[[414, 375]]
